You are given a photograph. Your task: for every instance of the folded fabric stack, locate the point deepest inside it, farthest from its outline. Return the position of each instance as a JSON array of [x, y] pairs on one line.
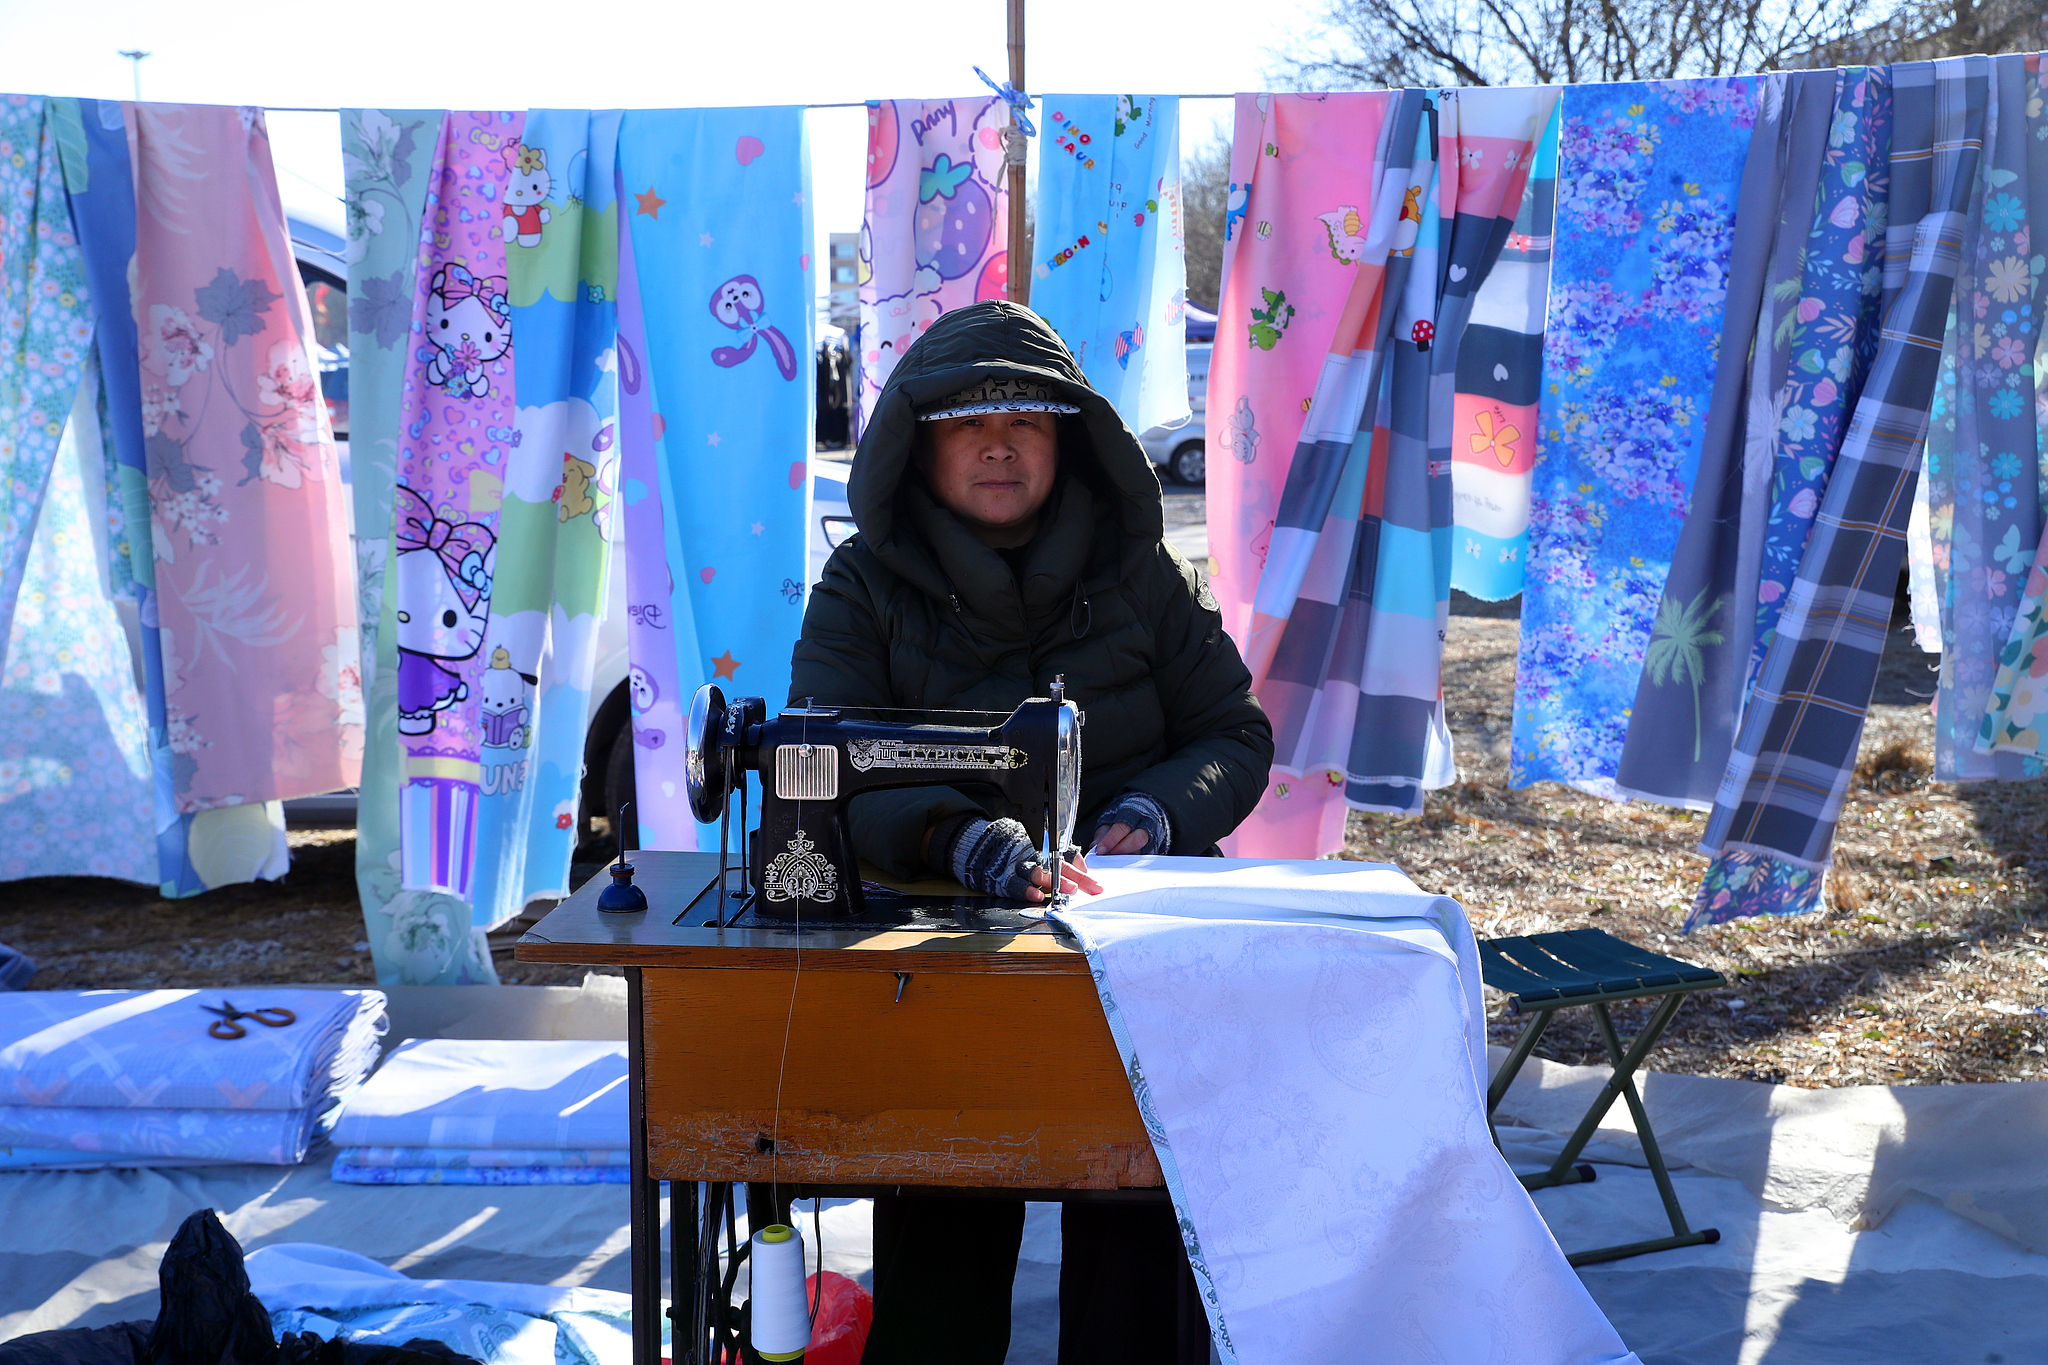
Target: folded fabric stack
[[449, 1111], [97, 1079]]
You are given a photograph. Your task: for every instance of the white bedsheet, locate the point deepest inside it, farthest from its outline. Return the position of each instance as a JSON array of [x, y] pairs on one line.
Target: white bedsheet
[[1306, 1044], [452, 1092]]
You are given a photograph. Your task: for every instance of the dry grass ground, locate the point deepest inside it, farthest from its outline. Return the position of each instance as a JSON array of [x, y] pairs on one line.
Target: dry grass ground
[[1930, 965]]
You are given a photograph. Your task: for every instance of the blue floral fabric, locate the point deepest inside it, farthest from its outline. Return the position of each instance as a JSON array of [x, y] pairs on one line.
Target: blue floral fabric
[[1646, 190], [1835, 329]]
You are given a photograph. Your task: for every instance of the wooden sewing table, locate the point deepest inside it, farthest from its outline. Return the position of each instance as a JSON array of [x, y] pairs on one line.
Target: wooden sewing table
[[951, 1059]]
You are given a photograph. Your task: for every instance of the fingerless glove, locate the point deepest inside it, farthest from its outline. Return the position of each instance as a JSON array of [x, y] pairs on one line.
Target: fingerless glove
[[993, 857], [1139, 811]]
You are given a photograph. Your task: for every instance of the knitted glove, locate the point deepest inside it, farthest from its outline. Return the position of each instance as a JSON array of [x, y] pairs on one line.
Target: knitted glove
[[1139, 811], [995, 858]]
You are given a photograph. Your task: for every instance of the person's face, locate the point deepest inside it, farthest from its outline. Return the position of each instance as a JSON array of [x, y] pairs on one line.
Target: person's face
[[993, 470]]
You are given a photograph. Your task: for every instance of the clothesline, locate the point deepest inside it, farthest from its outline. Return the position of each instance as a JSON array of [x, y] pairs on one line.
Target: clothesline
[[843, 104]]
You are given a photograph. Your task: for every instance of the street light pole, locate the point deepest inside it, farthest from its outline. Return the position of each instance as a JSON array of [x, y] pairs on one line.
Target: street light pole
[[136, 55]]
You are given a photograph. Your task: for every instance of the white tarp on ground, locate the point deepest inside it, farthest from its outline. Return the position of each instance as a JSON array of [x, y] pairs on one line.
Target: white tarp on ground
[[1790, 1282]]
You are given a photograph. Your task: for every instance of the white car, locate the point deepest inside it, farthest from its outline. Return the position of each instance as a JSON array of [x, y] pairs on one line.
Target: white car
[[1178, 449]]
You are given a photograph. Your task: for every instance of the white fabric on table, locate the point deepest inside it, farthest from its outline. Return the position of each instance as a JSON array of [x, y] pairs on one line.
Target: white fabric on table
[[1306, 1043], [454, 1092], [150, 1049]]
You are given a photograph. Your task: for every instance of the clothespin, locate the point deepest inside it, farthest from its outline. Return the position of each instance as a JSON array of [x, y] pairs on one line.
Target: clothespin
[[1015, 98]]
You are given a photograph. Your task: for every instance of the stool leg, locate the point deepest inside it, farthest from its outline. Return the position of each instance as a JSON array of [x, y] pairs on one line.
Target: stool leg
[[1611, 1091], [1658, 1172], [1497, 1088]]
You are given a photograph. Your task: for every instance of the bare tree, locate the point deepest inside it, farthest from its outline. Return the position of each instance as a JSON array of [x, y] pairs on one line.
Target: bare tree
[[1919, 29], [1388, 43], [1205, 186]]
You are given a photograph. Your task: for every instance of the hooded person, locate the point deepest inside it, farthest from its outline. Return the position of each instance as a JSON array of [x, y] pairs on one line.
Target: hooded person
[[1011, 532]]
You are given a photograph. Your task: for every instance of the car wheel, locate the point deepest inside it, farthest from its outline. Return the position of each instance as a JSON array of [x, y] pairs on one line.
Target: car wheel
[[1188, 464], [618, 784]]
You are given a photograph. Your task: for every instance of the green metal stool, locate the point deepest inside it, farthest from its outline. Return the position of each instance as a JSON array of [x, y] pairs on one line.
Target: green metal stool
[[1549, 972]]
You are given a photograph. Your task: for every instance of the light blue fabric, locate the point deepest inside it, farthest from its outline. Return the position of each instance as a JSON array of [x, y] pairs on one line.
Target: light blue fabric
[[1646, 188], [116, 1138], [1110, 272], [150, 1049], [717, 202], [334, 1293]]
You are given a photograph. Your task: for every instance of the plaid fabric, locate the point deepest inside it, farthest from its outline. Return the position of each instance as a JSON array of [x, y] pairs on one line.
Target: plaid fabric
[[1356, 587], [1498, 382], [1783, 790]]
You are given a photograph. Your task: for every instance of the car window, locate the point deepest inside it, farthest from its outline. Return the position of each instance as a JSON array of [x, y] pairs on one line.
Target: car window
[[328, 299]]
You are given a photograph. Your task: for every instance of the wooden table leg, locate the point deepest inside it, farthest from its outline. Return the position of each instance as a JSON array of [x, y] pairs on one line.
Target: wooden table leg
[[645, 1201]]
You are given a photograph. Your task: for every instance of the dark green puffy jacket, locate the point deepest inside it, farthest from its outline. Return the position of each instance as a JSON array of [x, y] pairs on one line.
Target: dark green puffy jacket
[[915, 611]]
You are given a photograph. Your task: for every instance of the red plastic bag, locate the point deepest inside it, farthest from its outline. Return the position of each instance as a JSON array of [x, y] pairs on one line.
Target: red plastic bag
[[839, 1333]]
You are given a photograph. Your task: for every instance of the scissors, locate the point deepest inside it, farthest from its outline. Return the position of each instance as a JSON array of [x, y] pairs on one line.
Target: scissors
[[226, 1027]]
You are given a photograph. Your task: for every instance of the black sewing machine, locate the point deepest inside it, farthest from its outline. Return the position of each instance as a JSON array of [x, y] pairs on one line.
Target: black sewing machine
[[813, 760]]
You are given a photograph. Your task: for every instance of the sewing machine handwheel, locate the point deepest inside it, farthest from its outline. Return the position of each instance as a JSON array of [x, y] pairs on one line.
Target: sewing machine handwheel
[[707, 766]]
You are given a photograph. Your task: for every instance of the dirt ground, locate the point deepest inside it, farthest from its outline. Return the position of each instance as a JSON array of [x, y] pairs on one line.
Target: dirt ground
[[1931, 963]]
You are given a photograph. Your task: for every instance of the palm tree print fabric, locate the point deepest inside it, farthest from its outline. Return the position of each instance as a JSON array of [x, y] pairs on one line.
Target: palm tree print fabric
[[1647, 186], [1688, 693], [255, 605], [1987, 486]]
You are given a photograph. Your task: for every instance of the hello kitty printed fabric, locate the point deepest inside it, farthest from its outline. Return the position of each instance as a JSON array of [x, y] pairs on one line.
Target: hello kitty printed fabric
[[935, 233], [254, 598], [458, 428], [1646, 191]]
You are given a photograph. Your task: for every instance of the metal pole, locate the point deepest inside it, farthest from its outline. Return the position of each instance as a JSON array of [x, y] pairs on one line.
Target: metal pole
[[135, 56], [1020, 262]]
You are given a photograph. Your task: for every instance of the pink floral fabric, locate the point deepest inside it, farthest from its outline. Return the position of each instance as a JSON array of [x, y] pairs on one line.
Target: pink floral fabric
[[255, 595]]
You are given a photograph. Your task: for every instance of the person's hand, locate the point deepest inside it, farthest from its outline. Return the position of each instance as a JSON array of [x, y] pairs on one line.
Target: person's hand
[[1073, 877], [1134, 823], [1121, 838]]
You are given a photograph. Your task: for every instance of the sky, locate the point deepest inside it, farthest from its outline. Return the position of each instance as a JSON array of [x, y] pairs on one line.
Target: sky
[[515, 54]]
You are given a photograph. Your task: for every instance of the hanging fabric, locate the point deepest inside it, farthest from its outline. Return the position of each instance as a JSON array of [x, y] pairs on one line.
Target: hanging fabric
[[2016, 718], [1834, 336], [559, 225], [935, 227], [1774, 820], [45, 328], [458, 413], [257, 621], [661, 627], [1688, 693], [194, 850], [1301, 201], [1497, 382], [721, 229], [387, 159], [76, 795], [1986, 494], [1111, 267], [75, 782], [1647, 179]]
